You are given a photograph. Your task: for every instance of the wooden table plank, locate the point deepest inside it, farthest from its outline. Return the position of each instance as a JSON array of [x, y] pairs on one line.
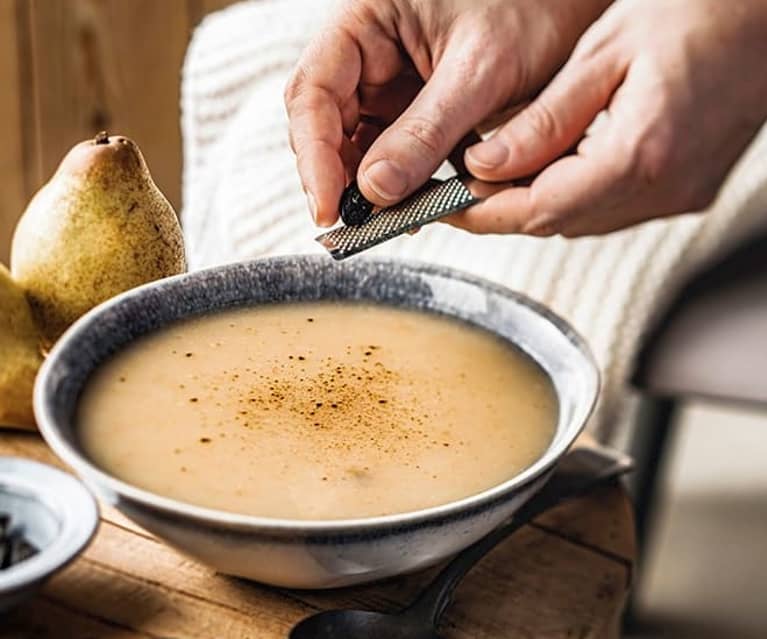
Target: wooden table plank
[[58, 622], [562, 577], [604, 520]]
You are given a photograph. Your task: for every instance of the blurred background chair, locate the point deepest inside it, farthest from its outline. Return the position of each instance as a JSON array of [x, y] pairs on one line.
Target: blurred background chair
[[710, 343]]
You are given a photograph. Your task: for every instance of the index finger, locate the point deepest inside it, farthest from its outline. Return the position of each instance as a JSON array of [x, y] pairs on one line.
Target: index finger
[[557, 198], [317, 98]]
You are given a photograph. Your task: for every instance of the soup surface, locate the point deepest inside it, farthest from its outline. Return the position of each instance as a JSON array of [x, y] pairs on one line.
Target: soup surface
[[317, 411]]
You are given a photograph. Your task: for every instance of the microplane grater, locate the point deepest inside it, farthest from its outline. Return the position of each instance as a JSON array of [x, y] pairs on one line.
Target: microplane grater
[[435, 200]]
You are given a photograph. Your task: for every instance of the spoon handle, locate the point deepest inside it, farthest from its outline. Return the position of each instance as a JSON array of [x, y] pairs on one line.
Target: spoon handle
[[578, 471]]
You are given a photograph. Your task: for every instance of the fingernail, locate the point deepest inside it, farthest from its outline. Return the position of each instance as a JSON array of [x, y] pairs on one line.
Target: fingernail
[[488, 154], [312, 205], [387, 179], [541, 227]]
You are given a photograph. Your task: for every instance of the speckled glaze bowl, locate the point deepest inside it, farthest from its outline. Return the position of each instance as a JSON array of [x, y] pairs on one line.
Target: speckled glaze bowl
[[316, 554]]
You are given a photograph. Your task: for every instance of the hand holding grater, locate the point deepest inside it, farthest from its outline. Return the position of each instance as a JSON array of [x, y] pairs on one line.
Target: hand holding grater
[[434, 200]]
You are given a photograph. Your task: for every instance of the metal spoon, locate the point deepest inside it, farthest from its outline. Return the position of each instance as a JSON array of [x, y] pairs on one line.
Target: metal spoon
[[577, 472]]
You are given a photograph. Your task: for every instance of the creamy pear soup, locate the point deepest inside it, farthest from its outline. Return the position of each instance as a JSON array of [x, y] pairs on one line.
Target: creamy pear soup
[[317, 411]]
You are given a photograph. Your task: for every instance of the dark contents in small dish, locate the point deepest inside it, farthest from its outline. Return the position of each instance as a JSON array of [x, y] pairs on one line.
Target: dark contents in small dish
[[14, 548]]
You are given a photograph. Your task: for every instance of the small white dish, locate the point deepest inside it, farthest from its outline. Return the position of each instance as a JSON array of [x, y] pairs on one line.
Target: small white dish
[[57, 515]]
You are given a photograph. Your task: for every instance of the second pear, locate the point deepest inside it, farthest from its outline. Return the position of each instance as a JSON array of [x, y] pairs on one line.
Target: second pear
[[20, 355]]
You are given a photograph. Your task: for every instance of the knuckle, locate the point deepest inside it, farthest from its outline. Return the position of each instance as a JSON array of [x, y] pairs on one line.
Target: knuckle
[[294, 85], [649, 157], [570, 232], [427, 137], [541, 121], [357, 11], [545, 225], [548, 229], [654, 163], [587, 47], [699, 197], [595, 41]]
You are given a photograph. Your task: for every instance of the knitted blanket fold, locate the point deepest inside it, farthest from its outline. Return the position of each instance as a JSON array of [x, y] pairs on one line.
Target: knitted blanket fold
[[242, 199]]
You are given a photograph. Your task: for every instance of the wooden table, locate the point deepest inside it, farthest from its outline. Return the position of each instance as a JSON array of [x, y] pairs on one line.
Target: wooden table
[[564, 576]]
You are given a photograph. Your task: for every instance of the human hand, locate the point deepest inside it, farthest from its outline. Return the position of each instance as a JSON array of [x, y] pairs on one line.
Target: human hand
[[682, 90], [404, 81]]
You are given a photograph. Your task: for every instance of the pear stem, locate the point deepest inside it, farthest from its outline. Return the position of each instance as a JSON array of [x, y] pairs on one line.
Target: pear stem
[[102, 138]]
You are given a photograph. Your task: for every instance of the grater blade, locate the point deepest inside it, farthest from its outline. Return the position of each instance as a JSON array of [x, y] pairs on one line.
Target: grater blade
[[435, 200]]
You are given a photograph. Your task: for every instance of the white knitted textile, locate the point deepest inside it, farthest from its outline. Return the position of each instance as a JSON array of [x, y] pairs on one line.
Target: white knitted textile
[[242, 199]]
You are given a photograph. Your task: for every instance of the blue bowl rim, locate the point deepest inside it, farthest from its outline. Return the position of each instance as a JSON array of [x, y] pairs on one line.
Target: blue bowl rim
[[457, 509]]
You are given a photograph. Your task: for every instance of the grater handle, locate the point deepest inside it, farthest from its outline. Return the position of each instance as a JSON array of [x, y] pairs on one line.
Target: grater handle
[[432, 202]]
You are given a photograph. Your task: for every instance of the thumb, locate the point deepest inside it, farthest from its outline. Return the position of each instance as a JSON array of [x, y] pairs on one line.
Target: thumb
[[548, 126], [408, 152]]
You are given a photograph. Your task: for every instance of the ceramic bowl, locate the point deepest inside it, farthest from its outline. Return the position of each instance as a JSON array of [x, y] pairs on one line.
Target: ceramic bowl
[[54, 511], [316, 554]]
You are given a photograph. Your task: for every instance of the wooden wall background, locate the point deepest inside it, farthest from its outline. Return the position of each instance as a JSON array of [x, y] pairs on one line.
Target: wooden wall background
[[70, 68]]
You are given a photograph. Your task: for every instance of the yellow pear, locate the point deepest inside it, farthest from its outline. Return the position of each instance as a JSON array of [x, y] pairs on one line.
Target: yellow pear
[[20, 355], [100, 226]]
